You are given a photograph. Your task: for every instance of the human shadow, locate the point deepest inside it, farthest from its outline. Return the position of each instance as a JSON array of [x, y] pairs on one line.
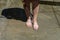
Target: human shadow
[[53, 3], [15, 13]]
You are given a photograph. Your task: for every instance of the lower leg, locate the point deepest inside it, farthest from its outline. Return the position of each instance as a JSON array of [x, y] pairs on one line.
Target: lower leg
[[26, 6], [27, 11], [35, 14]]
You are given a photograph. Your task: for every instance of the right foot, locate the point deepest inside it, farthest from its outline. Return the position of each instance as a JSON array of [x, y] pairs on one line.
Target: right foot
[[29, 23]]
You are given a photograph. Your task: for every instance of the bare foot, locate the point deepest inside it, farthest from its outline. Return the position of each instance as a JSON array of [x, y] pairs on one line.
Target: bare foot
[[35, 26], [29, 23]]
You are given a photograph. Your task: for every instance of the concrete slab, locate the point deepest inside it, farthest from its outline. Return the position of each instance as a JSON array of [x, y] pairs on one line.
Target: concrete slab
[[57, 13], [3, 24]]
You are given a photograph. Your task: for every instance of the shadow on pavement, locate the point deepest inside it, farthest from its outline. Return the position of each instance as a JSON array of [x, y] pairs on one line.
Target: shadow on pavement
[[15, 13], [50, 3]]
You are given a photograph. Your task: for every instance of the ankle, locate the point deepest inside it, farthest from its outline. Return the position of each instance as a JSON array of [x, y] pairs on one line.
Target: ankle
[[29, 20], [34, 20]]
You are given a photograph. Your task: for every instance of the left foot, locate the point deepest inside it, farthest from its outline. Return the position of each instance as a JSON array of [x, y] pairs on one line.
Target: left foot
[[35, 26]]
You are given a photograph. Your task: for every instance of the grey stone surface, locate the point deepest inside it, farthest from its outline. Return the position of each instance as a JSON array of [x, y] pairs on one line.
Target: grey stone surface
[[3, 24], [12, 29], [57, 13]]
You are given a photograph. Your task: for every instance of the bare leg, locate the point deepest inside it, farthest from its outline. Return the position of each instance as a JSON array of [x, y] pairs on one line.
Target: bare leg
[[27, 11], [35, 4]]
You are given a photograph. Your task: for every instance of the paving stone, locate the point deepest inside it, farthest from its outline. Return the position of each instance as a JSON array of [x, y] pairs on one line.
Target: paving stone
[[15, 3], [3, 24], [17, 30], [0, 12], [2, 5], [57, 13]]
